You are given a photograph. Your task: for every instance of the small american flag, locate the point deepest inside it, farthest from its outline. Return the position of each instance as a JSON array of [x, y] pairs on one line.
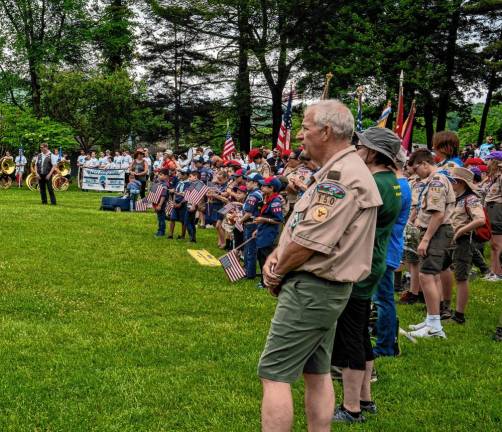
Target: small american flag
[[169, 207], [226, 208], [196, 193], [141, 205], [231, 265], [284, 138], [237, 223], [154, 195], [229, 147]]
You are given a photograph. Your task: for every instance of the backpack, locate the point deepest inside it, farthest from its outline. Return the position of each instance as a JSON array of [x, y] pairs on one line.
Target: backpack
[[484, 232]]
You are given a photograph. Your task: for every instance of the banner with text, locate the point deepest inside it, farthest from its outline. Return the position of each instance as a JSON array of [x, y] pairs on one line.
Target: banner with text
[[112, 180]]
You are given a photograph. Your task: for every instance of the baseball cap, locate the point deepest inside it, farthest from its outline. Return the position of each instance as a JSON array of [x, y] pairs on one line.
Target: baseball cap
[[243, 188], [483, 168], [474, 161], [238, 173], [168, 152], [254, 176], [272, 181], [382, 140]]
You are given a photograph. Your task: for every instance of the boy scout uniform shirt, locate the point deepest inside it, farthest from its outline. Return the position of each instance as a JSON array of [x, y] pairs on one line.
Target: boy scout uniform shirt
[[468, 208], [437, 195], [252, 203], [336, 218], [266, 232], [494, 192], [416, 185]]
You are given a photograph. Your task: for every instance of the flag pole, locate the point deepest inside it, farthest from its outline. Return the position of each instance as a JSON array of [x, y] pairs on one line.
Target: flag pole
[[325, 92]]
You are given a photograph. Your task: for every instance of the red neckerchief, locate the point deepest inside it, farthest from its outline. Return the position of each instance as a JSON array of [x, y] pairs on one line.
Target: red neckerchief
[[267, 203]]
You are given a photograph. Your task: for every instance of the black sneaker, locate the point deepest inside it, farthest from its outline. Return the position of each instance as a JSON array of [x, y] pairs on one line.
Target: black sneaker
[[497, 337], [445, 314], [343, 416], [368, 406], [408, 298]]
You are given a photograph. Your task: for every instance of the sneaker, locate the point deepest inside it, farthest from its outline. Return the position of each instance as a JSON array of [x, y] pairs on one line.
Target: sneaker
[[157, 235], [374, 377], [259, 285], [336, 373], [428, 332], [418, 326], [343, 416], [180, 237], [497, 336], [209, 226], [494, 278], [368, 406], [457, 319], [488, 276], [408, 298], [169, 236], [445, 314]]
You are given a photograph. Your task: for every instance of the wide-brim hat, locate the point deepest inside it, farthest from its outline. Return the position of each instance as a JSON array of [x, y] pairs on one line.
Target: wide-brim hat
[[464, 174], [382, 140]]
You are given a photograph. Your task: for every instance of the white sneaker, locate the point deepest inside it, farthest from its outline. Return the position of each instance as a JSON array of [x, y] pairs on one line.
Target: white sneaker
[[418, 326], [488, 276], [494, 278], [428, 332]]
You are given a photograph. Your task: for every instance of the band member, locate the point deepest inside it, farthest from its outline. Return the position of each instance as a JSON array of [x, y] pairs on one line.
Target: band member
[[20, 165], [45, 167]]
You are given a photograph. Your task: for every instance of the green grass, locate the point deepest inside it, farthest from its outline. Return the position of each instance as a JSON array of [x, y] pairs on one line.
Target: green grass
[[104, 328]]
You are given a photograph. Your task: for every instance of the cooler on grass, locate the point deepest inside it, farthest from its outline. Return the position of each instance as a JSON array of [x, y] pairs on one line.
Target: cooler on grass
[[115, 204]]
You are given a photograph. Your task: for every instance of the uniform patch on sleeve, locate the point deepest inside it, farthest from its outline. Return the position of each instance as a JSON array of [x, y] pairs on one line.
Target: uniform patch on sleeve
[[436, 184], [331, 189], [334, 175], [319, 213]]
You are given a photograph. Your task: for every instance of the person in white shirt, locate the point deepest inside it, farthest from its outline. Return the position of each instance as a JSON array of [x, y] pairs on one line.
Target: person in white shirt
[[126, 160], [81, 159], [20, 165], [117, 159], [92, 162]]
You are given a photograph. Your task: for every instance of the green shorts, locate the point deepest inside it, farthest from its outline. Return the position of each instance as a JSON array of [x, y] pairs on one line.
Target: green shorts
[[411, 240], [437, 254], [302, 332], [461, 257]]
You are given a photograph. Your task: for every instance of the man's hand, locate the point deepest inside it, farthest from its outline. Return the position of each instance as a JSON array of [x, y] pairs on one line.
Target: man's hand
[[422, 247], [48, 176], [254, 234], [458, 233], [271, 282]]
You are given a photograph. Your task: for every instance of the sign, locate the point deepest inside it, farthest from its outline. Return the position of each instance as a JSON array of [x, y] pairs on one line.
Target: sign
[[111, 180], [203, 257]]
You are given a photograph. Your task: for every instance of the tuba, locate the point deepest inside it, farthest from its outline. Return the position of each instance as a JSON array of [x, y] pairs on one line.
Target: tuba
[[7, 166], [64, 167], [32, 182], [60, 183]]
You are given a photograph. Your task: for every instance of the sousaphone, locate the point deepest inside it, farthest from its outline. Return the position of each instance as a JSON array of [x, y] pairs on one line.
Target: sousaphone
[[7, 166]]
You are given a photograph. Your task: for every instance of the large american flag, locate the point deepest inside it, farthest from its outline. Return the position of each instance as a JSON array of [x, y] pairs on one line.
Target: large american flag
[[284, 138], [229, 147], [231, 265], [196, 193]]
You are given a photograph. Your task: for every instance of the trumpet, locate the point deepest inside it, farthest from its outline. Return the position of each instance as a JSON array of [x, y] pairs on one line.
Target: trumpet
[[7, 166]]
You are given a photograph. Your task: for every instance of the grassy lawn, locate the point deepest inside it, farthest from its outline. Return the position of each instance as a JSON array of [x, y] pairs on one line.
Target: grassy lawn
[[104, 328]]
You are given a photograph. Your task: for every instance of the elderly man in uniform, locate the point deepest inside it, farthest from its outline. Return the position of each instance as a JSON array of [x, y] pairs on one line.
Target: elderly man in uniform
[[324, 248]]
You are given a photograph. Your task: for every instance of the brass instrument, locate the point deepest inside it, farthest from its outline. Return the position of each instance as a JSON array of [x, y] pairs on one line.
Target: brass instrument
[[64, 167], [32, 182], [7, 166], [5, 182], [60, 183]]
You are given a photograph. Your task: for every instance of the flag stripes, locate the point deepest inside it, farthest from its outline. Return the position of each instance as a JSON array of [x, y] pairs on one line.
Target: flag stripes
[[229, 146], [196, 193], [231, 265], [284, 138]]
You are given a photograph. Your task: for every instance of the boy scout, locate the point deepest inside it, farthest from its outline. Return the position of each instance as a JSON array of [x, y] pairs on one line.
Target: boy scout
[[467, 216], [325, 247], [437, 201]]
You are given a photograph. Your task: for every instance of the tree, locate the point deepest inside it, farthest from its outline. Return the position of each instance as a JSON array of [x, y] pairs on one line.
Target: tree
[[42, 33]]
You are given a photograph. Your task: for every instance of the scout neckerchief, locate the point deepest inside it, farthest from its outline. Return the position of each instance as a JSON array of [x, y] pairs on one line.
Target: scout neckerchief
[[267, 202]]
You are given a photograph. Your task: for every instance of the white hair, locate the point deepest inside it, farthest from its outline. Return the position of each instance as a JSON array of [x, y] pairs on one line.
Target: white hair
[[335, 114]]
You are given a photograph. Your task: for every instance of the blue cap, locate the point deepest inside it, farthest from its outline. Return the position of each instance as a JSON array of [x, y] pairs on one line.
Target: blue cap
[[254, 176], [272, 181]]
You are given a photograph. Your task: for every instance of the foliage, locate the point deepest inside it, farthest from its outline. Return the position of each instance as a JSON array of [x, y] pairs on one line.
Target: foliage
[[22, 128], [120, 331], [468, 133], [104, 109]]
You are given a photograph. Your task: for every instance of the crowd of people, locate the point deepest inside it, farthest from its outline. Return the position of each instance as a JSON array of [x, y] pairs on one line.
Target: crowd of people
[[331, 225]]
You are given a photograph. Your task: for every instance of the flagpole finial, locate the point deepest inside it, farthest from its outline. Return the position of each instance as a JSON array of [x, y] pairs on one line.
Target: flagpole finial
[[325, 92]]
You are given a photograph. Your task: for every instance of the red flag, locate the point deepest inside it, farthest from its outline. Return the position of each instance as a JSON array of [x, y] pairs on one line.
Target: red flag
[[408, 128], [400, 109]]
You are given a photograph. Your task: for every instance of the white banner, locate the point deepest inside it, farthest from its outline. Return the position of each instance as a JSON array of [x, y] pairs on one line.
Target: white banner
[[112, 180]]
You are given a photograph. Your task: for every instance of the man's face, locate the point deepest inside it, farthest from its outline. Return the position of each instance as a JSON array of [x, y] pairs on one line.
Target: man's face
[[192, 177], [310, 135], [267, 190], [421, 169], [489, 140]]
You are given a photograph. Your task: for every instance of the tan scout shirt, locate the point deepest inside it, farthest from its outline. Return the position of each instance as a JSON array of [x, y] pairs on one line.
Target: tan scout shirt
[[467, 209], [438, 195], [336, 218], [494, 192]]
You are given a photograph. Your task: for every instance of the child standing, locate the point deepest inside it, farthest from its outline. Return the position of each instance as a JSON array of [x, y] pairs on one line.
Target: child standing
[[160, 207], [180, 206]]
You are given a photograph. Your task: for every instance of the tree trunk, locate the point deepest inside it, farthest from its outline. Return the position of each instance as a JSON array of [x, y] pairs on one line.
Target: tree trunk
[[492, 83], [116, 61], [429, 121], [35, 90], [447, 87], [243, 86]]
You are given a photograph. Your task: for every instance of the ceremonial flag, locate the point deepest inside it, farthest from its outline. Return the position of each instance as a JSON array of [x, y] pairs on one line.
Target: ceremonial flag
[[231, 265], [400, 108], [196, 193], [408, 128], [229, 147], [359, 123], [141, 205], [382, 120], [154, 195], [284, 138], [169, 207]]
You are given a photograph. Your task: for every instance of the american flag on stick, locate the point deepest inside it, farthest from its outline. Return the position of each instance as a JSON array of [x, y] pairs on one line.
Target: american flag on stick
[[169, 207], [196, 193], [284, 138], [229, 147], [141, 205], [231, 265], [154, 195]]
